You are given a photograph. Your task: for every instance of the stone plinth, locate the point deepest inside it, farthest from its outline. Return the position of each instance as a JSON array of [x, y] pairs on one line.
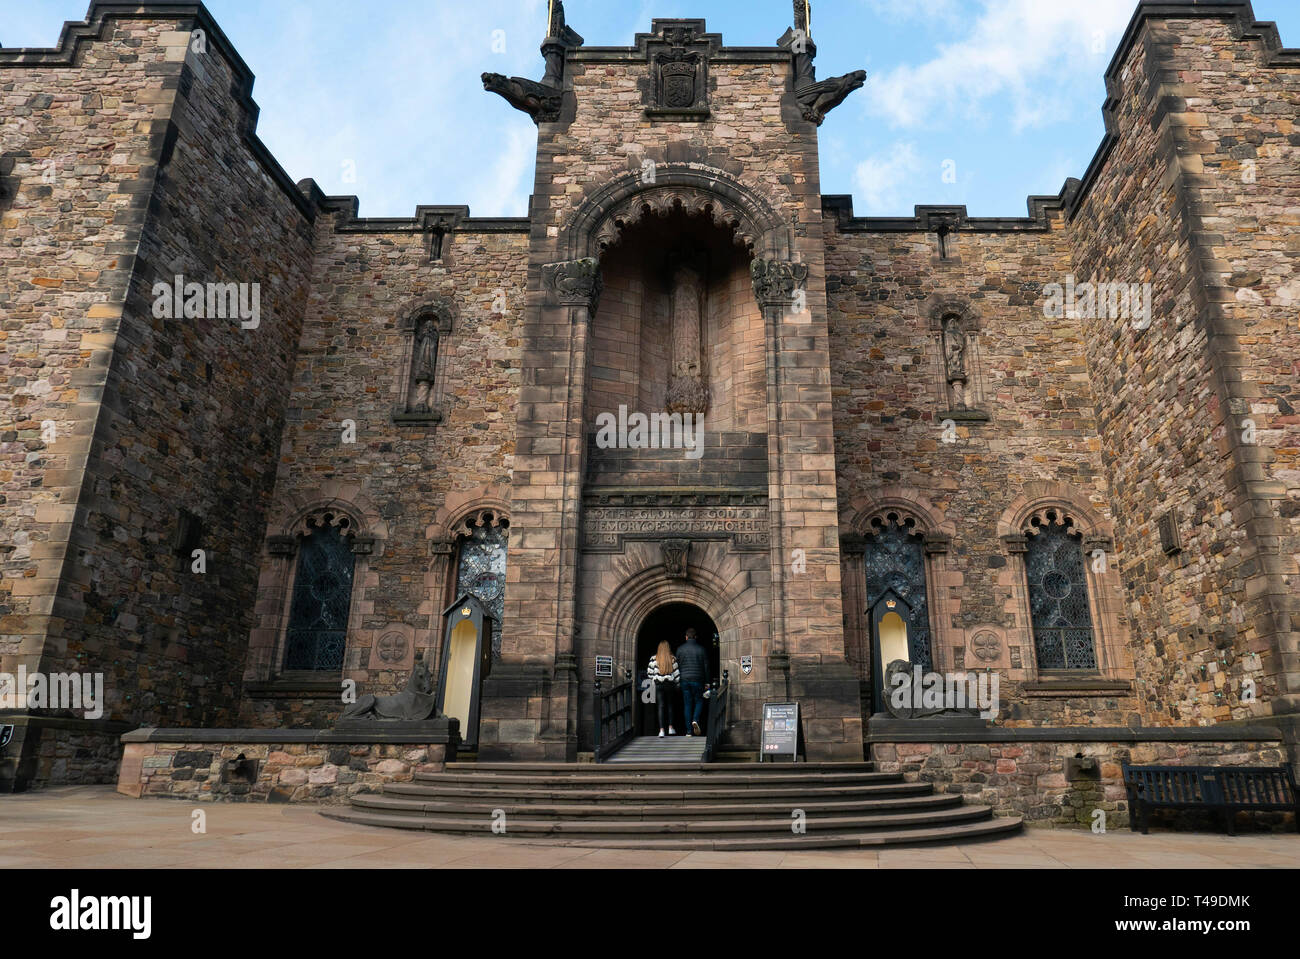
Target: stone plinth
[[1026, 771], [321, 766]]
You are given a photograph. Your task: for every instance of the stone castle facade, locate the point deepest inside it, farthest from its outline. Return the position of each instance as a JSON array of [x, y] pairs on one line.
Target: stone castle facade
[[906, 454]]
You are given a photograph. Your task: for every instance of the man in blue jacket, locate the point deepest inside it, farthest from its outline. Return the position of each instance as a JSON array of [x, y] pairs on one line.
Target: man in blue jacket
[[693, 661]]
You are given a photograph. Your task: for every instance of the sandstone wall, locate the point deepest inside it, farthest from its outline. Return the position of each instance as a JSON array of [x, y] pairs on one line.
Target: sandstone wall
[[77, 159], [408, 482], [193, 409], [325, 773], [154, 415], [1029, 374], [1030, 779], [1169, 207]]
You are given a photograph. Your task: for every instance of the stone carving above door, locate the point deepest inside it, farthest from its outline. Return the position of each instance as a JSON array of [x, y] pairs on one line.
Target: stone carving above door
[[676, 556]]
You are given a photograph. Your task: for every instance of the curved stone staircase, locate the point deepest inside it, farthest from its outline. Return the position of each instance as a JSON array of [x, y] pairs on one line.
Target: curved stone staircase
[[728, 806]]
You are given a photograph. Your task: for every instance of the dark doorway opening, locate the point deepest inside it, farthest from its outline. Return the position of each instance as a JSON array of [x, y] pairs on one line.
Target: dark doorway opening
[[670, 622]]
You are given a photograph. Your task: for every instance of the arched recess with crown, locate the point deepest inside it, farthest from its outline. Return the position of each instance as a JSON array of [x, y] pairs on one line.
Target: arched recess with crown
[[894, 549]]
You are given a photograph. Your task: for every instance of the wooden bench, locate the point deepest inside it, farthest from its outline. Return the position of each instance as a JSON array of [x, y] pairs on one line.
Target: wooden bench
[[1224, 790]]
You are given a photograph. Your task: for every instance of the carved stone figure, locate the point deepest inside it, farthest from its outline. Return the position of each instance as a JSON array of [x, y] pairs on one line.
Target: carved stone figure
[[573, 283], [415, 703], [541, 101], [424, 366], [687, 390], [820, 98], [911, 706], [777, 281], [954, 356], [817, 98], [676, 552]]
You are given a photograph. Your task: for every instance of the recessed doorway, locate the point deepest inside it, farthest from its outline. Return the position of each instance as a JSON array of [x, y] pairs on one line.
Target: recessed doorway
[[671, 622]]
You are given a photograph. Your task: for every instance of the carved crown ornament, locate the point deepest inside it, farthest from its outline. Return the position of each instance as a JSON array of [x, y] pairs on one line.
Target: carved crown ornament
[[573, 282]]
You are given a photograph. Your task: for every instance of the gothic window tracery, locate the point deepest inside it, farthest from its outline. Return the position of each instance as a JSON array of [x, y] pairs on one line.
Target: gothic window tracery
[[1058, 593], [322, 595], [481, 567], [895, 562]]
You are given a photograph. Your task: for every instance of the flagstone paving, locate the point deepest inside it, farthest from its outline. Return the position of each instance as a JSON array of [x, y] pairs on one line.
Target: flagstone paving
[[93, 827]]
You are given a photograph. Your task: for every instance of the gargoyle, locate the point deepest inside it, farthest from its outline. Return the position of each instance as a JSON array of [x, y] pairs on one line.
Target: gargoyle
[[819, 99], [539, 101]]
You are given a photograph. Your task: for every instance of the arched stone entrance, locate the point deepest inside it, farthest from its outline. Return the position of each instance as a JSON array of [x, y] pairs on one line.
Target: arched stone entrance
[[670, 622], [621, 594]]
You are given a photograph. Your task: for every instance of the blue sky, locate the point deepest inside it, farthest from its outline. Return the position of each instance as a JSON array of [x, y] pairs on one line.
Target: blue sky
[[1009, 91]]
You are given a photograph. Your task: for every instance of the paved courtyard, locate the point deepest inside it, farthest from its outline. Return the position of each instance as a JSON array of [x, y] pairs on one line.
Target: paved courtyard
[[94, 827]]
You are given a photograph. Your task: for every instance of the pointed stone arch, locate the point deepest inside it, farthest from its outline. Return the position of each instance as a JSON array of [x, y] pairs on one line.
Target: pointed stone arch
[[338, 504], [912, 510], [1059, 504]]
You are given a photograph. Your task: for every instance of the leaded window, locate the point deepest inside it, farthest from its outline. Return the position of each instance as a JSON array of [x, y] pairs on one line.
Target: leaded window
[[1058, 597], [481, 571], [895, 561], [322, 599]]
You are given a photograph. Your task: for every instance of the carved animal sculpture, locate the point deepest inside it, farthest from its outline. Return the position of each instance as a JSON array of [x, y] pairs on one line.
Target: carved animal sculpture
[[819, 99], [539, 101], [415, 703]]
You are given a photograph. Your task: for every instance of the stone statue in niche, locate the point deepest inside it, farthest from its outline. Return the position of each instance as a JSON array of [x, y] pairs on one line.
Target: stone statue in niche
[[688, 391], [954, 356], [424, 365]]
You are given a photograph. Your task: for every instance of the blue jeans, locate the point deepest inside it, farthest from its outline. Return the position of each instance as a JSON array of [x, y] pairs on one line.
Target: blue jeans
[[693, 700]]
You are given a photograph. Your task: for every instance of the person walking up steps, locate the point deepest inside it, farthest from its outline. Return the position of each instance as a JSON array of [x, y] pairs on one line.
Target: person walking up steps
[[665, 676], [693, 662]]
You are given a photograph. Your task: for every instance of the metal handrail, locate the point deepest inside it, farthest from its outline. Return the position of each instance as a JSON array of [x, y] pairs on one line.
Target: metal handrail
[[717, 717], [612, 713]]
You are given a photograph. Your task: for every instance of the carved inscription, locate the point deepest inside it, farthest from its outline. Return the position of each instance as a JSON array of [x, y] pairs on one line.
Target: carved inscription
[[606, 527]]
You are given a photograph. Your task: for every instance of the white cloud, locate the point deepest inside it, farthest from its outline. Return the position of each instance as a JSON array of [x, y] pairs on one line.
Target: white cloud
[[878, 180], [1023, 49]]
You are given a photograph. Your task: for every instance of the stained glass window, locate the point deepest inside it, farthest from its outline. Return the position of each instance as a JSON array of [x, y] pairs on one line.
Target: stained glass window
[[481, 572], [1058, 599], [895, 560], [322, 597]]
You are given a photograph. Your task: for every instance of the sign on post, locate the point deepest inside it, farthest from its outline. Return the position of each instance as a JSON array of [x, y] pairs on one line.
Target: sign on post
[[780, 731]]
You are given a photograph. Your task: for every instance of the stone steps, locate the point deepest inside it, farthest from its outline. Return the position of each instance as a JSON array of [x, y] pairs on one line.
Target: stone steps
[[730, 768], [663, 776], [780, 826], [670, 749], [677, 806], [414, 805], [652, 793]]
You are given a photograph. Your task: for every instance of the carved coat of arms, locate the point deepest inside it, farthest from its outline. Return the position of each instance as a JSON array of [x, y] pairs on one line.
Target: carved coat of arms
[[677, 75]]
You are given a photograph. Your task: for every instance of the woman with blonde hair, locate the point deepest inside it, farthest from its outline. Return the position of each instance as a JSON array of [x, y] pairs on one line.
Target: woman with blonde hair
[[664, 675]]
